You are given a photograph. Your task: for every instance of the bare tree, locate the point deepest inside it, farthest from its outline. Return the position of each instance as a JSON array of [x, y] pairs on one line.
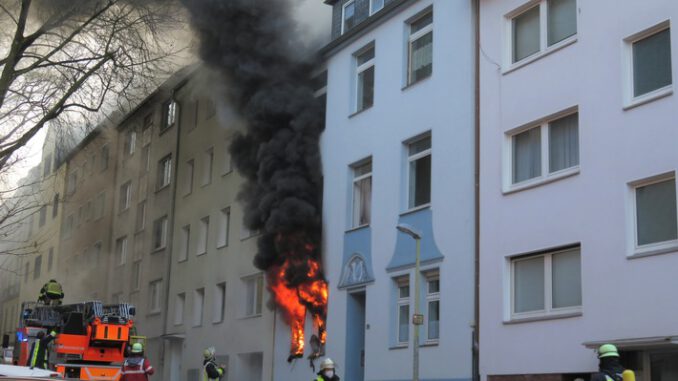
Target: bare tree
[[63, 61]]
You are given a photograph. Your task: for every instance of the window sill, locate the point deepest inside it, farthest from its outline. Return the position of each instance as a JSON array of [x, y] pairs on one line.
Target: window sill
[[415, 209], [226, 173], [182, 260], [162, 188], [165, 129], [205, 185], [553, 316], [222, 246], [360, 112], [656, 249], [529, 184], [200, 254], [250, 317], [158, 250], [431, 343], [649, 97], [413, 84], [539, 55], [398, 346], [187, 194], [361, 227], [154, 313], [217, 322]]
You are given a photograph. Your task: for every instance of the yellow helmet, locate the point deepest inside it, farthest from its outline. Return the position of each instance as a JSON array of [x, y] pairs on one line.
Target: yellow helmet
[[327, 364], [137, 348], [607, 350], [209, 353]]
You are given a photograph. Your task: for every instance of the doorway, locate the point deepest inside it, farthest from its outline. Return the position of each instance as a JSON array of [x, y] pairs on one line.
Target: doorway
[[355, 336]]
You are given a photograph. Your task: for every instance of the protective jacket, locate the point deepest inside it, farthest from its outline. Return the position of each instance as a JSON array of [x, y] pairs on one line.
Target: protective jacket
[[53, 290], [321, 377], [610, 370], [38, 354], [136, 368], [211, 371]]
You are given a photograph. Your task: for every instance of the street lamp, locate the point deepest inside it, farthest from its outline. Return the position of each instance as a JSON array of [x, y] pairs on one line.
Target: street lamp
[[417, 318]]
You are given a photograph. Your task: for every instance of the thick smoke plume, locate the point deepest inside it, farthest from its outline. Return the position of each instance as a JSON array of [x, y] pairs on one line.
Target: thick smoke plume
[[251, 43]]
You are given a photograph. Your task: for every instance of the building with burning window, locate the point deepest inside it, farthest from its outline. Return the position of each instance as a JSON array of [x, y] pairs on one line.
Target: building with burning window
[[398, 150]]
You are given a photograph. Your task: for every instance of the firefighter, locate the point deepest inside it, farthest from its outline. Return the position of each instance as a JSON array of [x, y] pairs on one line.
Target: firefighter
[[38, 355], [610, 368], [327, 371], [136, 367], [51, 293], [211, 371]]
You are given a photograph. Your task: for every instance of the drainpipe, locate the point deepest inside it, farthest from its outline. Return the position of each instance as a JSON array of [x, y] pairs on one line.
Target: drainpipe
[[476, 328]]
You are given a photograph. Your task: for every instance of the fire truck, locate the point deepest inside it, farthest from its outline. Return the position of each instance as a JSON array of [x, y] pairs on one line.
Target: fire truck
[[91, 337]]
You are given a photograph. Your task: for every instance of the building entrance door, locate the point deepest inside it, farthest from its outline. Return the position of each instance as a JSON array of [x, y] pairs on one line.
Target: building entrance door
[[355, 336], [175, 360]]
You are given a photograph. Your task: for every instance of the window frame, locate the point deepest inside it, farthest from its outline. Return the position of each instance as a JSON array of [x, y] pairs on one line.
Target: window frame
[[140, 221], [136, 275], [203, 238], [121, 250], [546, 175], [130, 142], [431, 297], [257, 301], [189, 177], [372, 10], [630, 100], [126, 197], [169, 108], [164, 178], [208, 168], [343, 16], [655, 247], [409, 159], [359, 69], [544, 47], [224, 227], [198, 294], [163, 236], [548, 311], [155, 286], [413, 37], [179, 308], [400, 301], [355, 220], [185, 242], [219, 314]]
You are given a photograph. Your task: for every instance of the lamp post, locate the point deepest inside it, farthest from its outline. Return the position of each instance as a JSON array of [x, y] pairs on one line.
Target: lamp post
[[417, 318]]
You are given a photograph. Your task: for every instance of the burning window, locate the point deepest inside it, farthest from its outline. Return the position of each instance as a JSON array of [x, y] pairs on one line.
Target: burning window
[[419, 172], [362, 193]]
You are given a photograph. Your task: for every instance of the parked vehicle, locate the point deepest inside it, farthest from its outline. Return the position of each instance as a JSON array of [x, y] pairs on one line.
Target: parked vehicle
[[14, 372]]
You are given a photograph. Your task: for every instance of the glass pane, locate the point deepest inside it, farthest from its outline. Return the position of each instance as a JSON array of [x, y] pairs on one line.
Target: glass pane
[[652, 63], [664, 366], [433, 319], [377, 5], [656, 212], [566, 279], [420, 181], [562, 20], [362, 169], [528, 285], [564, 143], [404, 291], [433, 286], [421, 23], [365, 56], [362, 201], [421, 57], [526, 34], [527, 155], [366, 89], [249, 297], [420, 145], [403, 323], [349, 16]]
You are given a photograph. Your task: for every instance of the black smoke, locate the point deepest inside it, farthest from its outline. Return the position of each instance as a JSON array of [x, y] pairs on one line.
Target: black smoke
[[267, 77]]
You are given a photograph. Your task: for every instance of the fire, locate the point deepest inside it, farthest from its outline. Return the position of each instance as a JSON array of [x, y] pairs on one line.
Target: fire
[[294, 301]]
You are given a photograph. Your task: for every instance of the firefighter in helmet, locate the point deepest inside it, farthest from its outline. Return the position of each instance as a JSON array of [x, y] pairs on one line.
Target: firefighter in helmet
[[610, 368], [327, 371], [136, 367], [210, 369], [51, 293], [38, 355]]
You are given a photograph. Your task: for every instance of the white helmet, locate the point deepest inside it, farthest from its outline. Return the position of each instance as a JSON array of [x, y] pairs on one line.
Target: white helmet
[[327, 364]]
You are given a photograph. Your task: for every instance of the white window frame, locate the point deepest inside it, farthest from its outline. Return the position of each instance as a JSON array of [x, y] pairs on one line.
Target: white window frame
[[208, 166], [179, 308], [141, 216], [169, 114], [548, 310], [121, 250], [630, 100], [190, 174], [219, 312], [372, 10], [136, 275], [403, 281], [359, 70], [185, 243], [544, 48], [163, 236], [413, 37], [652, 248], [198, 307], [155, 296], [413, 158], [125, 196], [343, 15], [130, 142], [355, 220], [43, 216], [546, 176], [224, 227], [227, 160], [256, 303], [433, 275], [164, 172], [203, 237]]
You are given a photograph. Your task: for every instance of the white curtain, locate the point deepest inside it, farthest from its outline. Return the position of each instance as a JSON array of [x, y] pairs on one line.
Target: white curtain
[[656, 212], [422, 56], [652, 63], [527, 155], [529, 285], [564, 143], [526, 34], [562, 20], [566, 279]]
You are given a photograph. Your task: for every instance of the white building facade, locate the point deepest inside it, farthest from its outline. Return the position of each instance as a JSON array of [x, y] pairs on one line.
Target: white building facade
[[398, 148], [578, 192]]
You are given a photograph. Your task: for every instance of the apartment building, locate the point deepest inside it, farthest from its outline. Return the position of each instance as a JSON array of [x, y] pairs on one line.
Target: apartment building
[[577, 190], [398, 150]]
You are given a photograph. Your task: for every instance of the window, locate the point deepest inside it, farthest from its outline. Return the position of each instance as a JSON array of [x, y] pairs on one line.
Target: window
[[549, 148], [210, 108], [227, 163], [547, 283], [164, 172], [68, 226], [188, 185], [253, 294], [47, 166], [376, 6], [169, 114], [50, 259], [43, 216], [104, 157], [130, 142], [179, 306], [185, 243], [37, 267], [420, 48], [141, 216], [198, 306], [246, 233], [136, 275], [649, 64], [97, 251], [219, 303], [154, 295], [204, 235], [99, 204], [208, 159], [432, 306], [364, 61], [656, 220], [224, 224], [125, 196], [530, 36], [348, 16], [403, 309], [121, 250], [55, 206], [26, 272], [146, 158], [160, 233], [419, 163], [71, 182], [362, 193]]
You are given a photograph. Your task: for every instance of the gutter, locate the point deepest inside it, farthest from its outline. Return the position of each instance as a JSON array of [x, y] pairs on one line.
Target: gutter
[[476, 328]]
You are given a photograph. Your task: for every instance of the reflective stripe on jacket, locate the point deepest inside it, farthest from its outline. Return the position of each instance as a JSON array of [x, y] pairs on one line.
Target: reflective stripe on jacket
[[132, 371], [211, 372]]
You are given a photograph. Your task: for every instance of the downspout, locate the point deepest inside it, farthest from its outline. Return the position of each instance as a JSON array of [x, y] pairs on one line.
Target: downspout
[[476, 328]]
